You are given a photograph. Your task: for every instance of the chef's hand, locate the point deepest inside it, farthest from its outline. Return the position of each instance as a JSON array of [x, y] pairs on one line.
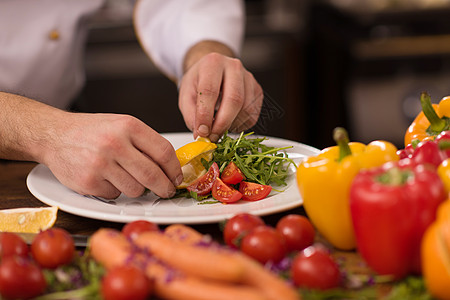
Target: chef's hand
[[106, 154], [217, 93]]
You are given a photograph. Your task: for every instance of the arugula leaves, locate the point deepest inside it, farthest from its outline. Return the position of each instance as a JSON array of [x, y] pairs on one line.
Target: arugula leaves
[[259, 163]]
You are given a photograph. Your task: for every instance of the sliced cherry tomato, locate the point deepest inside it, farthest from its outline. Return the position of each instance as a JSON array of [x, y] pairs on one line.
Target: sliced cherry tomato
[[238, 226], [297, 230], [232, 174], [12, 244], [125, 283], [202, 186], [133, 229], [225, 193], [20, 278], [314, 268], [254, 191], [52, 248], [264, 244]]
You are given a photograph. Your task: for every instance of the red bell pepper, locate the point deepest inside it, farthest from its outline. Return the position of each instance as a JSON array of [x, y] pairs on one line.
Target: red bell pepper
[[430, 152], [391, 206]]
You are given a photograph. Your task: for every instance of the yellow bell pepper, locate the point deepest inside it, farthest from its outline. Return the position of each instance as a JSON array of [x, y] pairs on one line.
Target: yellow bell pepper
[[324, 184], [444, 173], [432, 120]]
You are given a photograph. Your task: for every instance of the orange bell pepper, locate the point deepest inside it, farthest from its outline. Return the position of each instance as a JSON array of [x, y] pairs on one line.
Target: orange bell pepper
[[435, 253], [431, 121]]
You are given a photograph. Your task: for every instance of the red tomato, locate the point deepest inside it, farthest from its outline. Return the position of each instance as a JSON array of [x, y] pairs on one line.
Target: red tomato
[[52, 248], [253, 191], [314, 268], [20, 278], [133, 229], [225, 193], [202, 186], [297, 230], [12, 244], [264, 244], [238, 226], [125, 283], [232, 174]]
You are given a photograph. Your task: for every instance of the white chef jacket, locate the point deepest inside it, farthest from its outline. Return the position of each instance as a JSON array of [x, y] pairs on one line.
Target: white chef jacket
[[42, 42]]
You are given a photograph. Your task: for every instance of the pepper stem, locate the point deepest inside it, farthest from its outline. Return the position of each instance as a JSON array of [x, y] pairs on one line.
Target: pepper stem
[[394, 177], [444, 144], [340, 136], [436, 124]]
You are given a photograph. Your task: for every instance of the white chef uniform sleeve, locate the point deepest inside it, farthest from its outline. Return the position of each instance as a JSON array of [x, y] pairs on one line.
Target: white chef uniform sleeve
[[167, 29]]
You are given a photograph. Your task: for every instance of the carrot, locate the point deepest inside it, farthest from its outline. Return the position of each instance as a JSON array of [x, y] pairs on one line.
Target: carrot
[[201, 260], [110, 248], [256, 275]]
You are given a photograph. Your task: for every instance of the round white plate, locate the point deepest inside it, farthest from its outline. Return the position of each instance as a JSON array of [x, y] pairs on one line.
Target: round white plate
[[44, 186]]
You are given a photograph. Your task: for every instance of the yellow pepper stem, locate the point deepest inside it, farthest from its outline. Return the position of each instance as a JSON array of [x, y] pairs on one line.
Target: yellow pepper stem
[[340, 136], [436, 124]]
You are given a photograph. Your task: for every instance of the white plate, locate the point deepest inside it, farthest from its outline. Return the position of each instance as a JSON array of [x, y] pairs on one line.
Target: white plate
[[44, 186]]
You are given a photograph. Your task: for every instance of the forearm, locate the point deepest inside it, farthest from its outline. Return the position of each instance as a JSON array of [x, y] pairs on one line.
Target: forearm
[[203, 48], [25, 127]]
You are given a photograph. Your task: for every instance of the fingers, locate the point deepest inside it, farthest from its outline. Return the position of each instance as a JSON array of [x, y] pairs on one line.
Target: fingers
[[208, 91], [155, 165], [219, 94], [233, 87], [121, 154], [251, 109]]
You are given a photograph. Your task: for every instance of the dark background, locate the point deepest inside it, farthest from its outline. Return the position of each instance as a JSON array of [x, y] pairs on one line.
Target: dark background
[[358, 64]]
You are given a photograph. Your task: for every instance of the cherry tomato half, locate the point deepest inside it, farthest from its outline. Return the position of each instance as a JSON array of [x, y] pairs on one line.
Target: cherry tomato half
[[225, 193], [202, 186], [264, 244], [297, 230], [232, 174], [20, 278], [133, 229], [314, 268], [238, 226], [12, 244], [52, 248], [125, 283], [253, 191]]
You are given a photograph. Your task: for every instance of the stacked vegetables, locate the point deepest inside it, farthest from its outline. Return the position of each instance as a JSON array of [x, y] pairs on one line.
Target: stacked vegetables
[[385, 203]]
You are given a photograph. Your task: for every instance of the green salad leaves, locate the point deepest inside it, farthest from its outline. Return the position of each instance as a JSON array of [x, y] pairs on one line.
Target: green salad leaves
[[259, 163]]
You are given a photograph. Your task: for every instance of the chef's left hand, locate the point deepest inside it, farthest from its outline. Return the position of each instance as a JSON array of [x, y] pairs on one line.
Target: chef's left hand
[[217, 94]]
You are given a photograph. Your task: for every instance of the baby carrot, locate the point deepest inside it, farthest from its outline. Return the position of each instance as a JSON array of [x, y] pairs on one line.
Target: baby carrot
[[255, 274], [110, 248], [195, 259]]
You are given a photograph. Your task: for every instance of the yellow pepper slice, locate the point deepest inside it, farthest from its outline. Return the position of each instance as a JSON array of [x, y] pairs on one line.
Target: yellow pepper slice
[[324, 184]]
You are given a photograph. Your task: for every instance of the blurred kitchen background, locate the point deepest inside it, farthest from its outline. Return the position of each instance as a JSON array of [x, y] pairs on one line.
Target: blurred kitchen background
[[360, 64]]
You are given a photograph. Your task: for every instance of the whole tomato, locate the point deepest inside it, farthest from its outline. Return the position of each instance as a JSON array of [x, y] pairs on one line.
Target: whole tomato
[[238, 226], [20, 278], [12, 244], [133, 229], [125, 283], [314, 268], [297, 231], [264, 244], [52, 248]]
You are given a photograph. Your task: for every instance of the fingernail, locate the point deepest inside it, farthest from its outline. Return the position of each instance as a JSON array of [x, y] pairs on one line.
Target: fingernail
[[179, 180], [214, 137], [203, 130]]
